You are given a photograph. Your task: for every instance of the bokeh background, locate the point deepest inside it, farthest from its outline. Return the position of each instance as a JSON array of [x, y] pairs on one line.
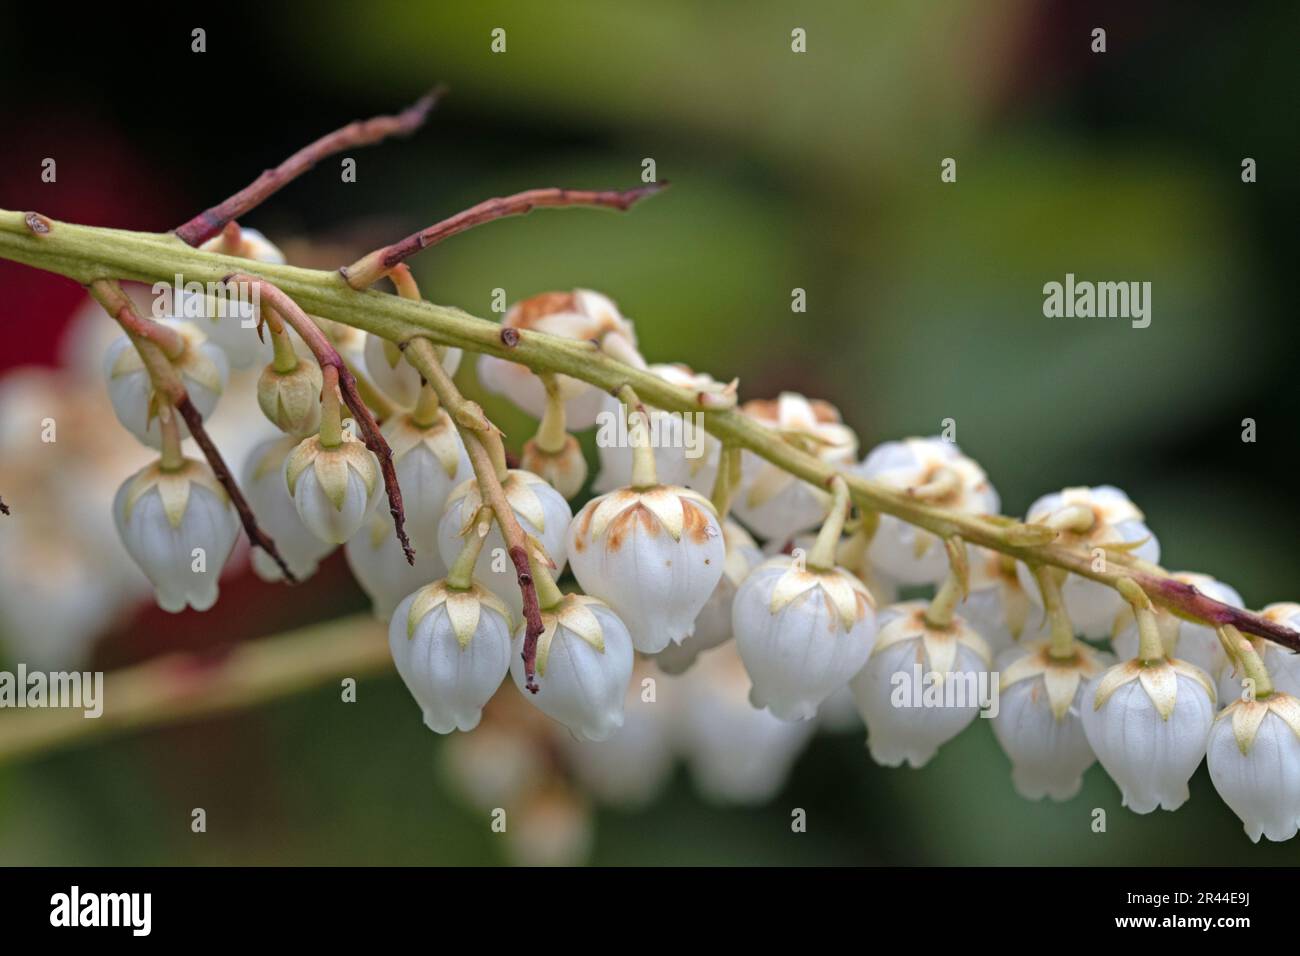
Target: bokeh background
[[818, 171]]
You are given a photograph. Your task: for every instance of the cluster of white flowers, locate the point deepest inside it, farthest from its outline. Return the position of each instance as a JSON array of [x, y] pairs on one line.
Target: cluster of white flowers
[[667, 578]]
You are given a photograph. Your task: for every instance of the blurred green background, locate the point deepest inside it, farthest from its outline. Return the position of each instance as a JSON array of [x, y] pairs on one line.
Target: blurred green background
[[816, 170]]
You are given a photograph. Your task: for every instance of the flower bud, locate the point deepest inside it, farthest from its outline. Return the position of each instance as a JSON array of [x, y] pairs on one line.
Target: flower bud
[[581, 314], [430, 462], [936, 471], [1148, 723], [564, 470], [713, 623], [396, 377], [1091, 520], [378, 562], [1038, 722], [584, 663], [268, 495], [452, 649], [920, 687], [291, 400], [179, 527], [334, 489], [654, 555], [1195, 643], [541, 511], [736, 753], [1254, 761], [801, 633], [772, 502], [232, 324], [202, 368], [685, 454]]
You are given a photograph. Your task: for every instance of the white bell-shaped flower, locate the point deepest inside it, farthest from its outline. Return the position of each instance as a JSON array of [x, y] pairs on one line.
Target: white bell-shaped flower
[[564, 469], [584, 664], [935, 471], [713, 623], [378, 562], [1091, 520], [179, 527], [291, 400], [802, 633], [632, 766], [393, 375], [1039, 722], [922, 685], [231, 321], [430, 462], [997, 604], [685, 454], [1254, 761], [452, 648], [1195, 643], [334, 488], [542, 513], [1148, 723], [652, 554], [772, 502], [202, 367], [581, 314], [736, 753], [262, 481]]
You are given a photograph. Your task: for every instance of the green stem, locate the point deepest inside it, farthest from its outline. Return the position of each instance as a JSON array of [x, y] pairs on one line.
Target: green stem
[[170, 424], [1062, 630], [461, 575], [644, 471], [89, 253], [943, 606], [548, 592], [331, 414], [1150, 646], [1243, 654], [552, 433], [822, 555], [426, 409]]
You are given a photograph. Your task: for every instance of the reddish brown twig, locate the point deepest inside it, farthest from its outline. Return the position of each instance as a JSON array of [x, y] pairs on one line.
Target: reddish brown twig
[[165, 380], [328, 357], [367, 270], [516, 543], [4, 508], [1185, 598], [359, 133]]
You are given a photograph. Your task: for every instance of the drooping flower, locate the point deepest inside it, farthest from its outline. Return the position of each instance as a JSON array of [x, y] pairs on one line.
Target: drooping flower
[[921, 685], [772, 502], [263, 484], [334, 488], [291, 400], [1039, 723], [685, 454], [1148, 723], [802, 633], [581, 314], [452, 650], [584, 664], [1091, 520], [430, 462], [935, 471], [202, 367], [542, 513], [1195, 643], [654, 555], [396, 377], [713, 623], [1254, 761], [230, 322], [179, 527]]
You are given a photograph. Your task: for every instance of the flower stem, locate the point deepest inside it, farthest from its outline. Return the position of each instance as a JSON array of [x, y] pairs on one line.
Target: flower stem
[[551, 433], [426, 409], [331, 415], [1150, 646], [548, 592], [822, 555], [169, 423], [727, 480], [644, 471], [1247, 660], [461, 575], [1062, 630]]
